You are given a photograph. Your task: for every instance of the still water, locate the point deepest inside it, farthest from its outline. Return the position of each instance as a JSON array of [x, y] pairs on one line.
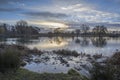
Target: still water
[[50, 62], [89, 45]]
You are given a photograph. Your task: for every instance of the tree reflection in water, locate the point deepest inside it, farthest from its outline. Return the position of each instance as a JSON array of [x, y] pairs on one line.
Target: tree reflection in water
[[83, 42], [58, 40], [96, 41], [99, 41], [77, 41], [27, 40]]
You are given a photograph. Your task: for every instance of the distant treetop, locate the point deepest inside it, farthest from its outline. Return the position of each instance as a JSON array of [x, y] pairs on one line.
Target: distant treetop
[[22, 23]]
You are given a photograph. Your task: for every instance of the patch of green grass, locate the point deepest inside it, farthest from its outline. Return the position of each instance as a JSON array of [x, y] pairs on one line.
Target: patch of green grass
[[23, 74]]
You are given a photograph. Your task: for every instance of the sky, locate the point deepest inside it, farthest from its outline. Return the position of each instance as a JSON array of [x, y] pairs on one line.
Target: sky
[[60, 12]]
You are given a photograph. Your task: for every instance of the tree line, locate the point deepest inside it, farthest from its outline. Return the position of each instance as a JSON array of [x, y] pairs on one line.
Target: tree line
[[20, 28]]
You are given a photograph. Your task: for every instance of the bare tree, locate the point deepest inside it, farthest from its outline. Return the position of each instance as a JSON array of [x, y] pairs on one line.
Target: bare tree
[[23, 28], [22, 23], [100, 30], [85, 28]]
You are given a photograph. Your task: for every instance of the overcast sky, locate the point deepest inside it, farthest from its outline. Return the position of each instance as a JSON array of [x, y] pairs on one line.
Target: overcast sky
[[60, 11]]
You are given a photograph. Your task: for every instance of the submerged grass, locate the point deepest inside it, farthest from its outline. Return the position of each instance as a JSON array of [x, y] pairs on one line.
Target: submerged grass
[[66, 52]]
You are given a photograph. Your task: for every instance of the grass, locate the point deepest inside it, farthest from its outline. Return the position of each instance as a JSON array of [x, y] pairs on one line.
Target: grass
[[9, 60], [23, 74]]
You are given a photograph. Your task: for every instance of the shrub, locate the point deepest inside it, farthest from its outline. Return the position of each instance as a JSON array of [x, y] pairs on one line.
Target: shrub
[[104, 72], [9, 61], [66, 53], [73, 72], [107, 71]]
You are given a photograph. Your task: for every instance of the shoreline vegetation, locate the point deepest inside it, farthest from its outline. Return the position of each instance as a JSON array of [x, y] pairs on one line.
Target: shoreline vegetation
[[108, 69], [22, 29], [90, 34]]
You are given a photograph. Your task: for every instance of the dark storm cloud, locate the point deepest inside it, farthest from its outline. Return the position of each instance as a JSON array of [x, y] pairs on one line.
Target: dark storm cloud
[[8, 1], [3, 1], [10, 5], [10, 9], [46, 14]]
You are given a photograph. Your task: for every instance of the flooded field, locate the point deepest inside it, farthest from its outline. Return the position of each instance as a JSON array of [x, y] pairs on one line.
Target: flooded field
[[56, 63]]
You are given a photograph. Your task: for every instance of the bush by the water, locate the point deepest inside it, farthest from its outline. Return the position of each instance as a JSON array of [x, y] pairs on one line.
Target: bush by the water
[[102, 72], [107, 71], [9, 60], [66, 52]]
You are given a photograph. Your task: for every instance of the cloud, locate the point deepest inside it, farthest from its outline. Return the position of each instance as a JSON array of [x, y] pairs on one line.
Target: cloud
[[11, 5], [81, 12], [45, 15], [8, 2], [67, 2], [10, 9], [71, 7], [62, 10]]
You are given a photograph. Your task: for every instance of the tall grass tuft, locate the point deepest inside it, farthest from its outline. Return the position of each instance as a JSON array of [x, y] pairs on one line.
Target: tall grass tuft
[[9, 60]]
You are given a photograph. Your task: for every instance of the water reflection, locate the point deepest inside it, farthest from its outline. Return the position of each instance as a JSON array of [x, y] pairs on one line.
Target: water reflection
[[99, 41], [84, 42], [77, 41], [49, 43], [23, 40], [81, 44]]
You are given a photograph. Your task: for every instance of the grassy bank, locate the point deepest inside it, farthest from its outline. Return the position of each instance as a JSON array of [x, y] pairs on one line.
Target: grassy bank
[[12, 58], [23, 74]]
